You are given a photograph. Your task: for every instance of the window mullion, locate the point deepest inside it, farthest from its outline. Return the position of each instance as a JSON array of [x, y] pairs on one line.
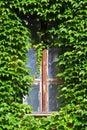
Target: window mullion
[[44, 81]]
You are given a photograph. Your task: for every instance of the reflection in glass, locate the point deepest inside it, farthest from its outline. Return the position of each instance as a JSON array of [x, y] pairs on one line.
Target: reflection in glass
[[31, 61], [52, 60], [33, 98], [53, 93]]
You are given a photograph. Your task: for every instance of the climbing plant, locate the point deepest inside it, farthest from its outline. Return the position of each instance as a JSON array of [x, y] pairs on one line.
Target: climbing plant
[[59, 23], [14, 76]]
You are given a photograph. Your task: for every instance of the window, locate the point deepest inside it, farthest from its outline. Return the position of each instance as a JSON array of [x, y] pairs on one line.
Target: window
[[43, 96]]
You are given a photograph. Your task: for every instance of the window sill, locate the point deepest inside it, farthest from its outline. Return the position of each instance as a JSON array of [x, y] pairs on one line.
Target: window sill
[[41, 114]]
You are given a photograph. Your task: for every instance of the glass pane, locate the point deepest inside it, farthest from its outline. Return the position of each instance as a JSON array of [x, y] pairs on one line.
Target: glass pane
[[31, 61], [52, 56], [33, 99], [53, 93]]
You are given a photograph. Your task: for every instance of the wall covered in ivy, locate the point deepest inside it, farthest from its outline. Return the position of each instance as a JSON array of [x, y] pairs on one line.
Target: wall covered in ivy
[[65, 26]]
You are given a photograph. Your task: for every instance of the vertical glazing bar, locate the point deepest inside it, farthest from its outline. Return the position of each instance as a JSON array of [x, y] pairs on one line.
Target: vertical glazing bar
[[44, 81]]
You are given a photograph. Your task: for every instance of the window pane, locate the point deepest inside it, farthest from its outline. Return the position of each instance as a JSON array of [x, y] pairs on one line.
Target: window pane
[[31, 61], [53, 93], [52, 56], [34, 98]]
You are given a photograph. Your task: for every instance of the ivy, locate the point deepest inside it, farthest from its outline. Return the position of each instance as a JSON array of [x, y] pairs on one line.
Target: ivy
[[65, 25], [14, 77]]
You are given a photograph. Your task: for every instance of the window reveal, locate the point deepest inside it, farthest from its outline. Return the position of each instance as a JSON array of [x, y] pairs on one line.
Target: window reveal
[[43, 96]]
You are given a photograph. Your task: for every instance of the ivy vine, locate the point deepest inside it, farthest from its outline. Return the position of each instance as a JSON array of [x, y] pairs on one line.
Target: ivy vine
[[65, 26]]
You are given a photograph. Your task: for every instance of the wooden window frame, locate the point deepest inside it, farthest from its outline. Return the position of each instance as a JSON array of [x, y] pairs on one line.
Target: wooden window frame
[[44, 81]]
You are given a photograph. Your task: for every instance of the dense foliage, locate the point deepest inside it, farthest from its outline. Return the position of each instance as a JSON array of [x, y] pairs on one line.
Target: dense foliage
[[65, 23], [14, 77]]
